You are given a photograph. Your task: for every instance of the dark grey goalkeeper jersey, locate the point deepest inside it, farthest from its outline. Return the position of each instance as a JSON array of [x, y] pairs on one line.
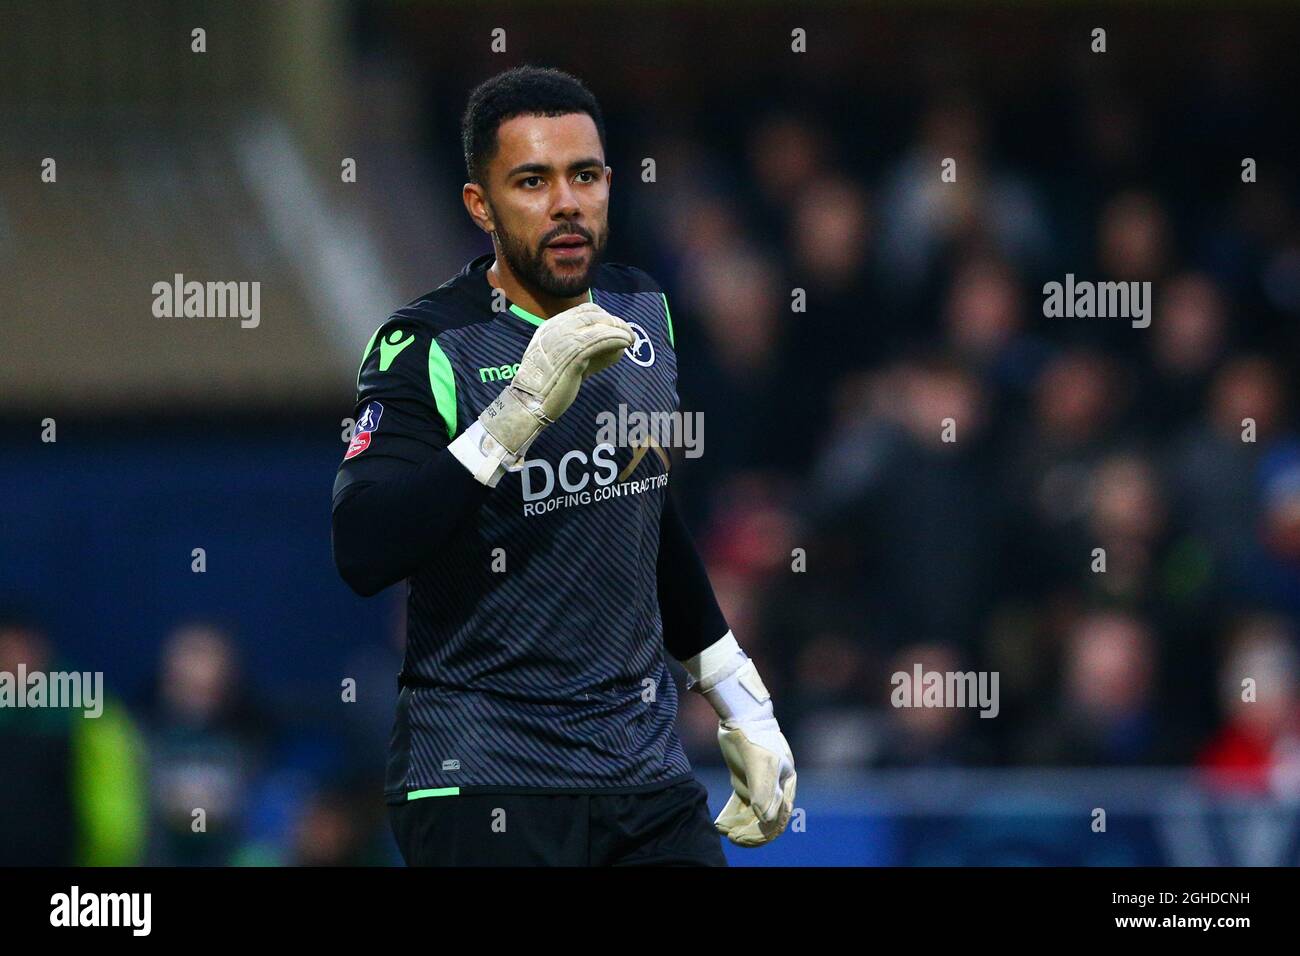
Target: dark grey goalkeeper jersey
[[535, 657]]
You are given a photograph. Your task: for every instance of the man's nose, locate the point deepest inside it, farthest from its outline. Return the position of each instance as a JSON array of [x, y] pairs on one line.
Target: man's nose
[[565, 202]]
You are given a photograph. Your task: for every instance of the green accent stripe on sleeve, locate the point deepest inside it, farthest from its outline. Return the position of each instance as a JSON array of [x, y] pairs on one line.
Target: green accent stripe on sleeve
[[443, 384], [365, 355], [438, 792], [669, 316]]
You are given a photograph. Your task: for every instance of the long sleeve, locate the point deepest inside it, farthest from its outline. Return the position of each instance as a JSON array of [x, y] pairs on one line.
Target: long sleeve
[[384, 530], [691, 616], [400, 495]]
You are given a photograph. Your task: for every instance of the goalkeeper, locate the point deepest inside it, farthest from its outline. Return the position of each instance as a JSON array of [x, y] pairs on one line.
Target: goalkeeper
[[548, 570]]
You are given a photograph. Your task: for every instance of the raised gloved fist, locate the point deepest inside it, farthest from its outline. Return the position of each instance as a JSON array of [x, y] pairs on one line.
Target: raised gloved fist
[[564, 351]]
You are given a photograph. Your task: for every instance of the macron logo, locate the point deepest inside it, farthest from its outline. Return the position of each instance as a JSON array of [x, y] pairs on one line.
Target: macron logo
[[498, 373]]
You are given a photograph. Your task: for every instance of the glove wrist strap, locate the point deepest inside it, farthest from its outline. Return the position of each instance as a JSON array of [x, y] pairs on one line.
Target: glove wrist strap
[[725, 676], [741, 698], [484, 457], [716, 662]]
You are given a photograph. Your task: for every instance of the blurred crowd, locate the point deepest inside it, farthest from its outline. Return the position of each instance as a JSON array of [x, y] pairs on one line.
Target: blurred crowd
[[905, 462], [1108, 516], [196, 769]]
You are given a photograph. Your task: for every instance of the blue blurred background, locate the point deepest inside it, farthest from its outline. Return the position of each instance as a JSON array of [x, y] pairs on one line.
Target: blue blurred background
[[774, 171]]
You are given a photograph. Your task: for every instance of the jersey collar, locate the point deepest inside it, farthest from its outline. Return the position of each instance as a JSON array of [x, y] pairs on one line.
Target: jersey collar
[[481, 264], [537, 320]]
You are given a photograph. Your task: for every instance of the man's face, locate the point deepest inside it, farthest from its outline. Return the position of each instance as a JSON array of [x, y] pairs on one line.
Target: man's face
[[548, 192]]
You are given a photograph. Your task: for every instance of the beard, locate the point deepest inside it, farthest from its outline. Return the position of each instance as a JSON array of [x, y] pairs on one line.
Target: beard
[[529, 264]]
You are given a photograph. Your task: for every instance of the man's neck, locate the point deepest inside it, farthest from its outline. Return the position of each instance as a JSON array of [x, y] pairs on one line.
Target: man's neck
[[539, 304]]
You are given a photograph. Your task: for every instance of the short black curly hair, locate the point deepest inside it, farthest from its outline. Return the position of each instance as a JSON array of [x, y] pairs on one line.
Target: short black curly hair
[[522, 91]]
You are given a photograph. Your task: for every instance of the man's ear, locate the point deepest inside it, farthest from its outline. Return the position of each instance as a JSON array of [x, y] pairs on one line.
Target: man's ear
[[477, 206]]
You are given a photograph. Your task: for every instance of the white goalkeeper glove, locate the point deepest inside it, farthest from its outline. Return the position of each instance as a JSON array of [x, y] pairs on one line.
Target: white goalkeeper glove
[[563, 352], [756, 752]]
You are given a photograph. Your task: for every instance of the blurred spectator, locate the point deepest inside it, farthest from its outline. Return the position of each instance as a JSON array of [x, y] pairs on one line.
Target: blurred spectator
[[787, 154], [208, 740], [925, 217], [830, 707], [912, 477], [1079, 403], [931, 736], [74, 792], [1214, 470], [1258, 746], [1108, 714], [338, 828], [1133, 238], [1278, 567], [1127, 519], [738, 365], [984, 322], [1187, 338]]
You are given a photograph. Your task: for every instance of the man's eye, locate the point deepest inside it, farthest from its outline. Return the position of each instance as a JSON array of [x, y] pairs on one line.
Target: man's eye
[[527, 183], [588, 172]]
